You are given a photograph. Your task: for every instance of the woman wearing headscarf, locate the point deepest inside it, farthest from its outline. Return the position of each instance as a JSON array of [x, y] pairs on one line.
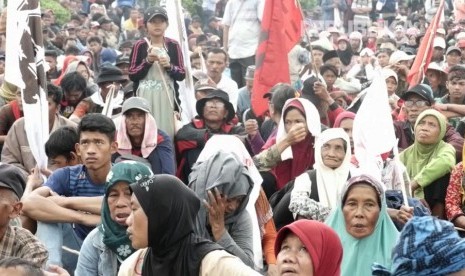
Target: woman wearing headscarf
[[222, 179], [64, 68], [162, 222], [7, 92], [430, 160], [363, 225], [344, 51], [108, 245], [345, 120], [427, 246], [291, 152], [315, 199], [84, 70], [321, 244], [314, 193]]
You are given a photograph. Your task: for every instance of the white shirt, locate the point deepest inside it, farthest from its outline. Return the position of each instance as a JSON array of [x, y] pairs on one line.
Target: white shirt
[[244, 20], [229, 86]]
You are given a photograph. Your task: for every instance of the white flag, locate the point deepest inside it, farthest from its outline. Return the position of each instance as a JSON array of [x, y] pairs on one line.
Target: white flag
[[373, 130], [25, 69]]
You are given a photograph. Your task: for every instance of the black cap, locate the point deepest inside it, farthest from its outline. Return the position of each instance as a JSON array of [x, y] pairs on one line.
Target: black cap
[[102, 20], [12, 178], [216, 94], [122, 59], [154, 11], [329, 55], [422, 90], [110, 73]]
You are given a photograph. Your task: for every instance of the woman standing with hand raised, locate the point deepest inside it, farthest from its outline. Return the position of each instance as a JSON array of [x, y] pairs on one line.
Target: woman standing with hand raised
[[156, 64]]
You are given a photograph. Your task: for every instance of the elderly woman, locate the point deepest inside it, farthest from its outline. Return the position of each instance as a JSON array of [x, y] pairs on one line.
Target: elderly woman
[[363, 224], [225, 183], [426, 246], [304, 247], [216, 113], [314, 193], [430, 160], [291, 152], [107, 246], [162, 222]]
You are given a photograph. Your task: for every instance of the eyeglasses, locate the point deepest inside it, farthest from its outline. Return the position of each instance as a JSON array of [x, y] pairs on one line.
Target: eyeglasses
[[420, 103], [214, 103]]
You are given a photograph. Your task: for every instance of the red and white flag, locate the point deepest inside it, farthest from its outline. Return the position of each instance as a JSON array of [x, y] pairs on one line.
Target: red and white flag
[[280, 31], [25, 69]]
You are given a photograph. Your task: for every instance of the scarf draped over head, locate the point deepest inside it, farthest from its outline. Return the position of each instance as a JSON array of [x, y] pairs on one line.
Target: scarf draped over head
[[260, 211], [342, 116], [171, 209], [427, 163], [8, 91], [321, 242], [426, 246], [114, 234], [149, 142], [226, 172], [360, 254], [300, 157], [64, 69]]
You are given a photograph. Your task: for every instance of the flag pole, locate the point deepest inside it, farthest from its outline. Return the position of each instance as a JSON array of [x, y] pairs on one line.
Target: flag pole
[[315, 68]]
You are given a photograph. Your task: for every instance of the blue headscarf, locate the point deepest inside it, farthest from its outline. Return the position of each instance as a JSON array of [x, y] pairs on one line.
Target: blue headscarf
[[426, 246]]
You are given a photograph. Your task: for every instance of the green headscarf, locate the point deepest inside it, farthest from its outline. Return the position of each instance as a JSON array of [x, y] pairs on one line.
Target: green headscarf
[[360, 254], [427, 163], [114, 235]]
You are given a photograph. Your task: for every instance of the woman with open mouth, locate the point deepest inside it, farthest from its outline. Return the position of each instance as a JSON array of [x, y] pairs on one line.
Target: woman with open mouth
[[108, 245], [363, 225]]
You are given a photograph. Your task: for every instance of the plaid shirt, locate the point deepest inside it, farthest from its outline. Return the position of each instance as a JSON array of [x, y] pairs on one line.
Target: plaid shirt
[[19, 242]]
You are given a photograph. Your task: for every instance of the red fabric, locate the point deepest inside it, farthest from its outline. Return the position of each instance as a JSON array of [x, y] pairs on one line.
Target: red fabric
[[303, 159], [454, 194], [66, 62], [425, 50], [15, 108], [342, 116], [280, 32], [322, 243]]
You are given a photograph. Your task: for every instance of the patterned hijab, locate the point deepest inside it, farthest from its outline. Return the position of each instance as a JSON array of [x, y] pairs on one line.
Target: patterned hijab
[[114, 234], [427, 246]]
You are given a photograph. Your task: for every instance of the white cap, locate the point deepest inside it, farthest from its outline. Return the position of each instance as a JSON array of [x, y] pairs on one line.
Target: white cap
[[367, 51], [387, 73], [439, 42], [460, 36], [398, 56], [436, 66], [441, 31]]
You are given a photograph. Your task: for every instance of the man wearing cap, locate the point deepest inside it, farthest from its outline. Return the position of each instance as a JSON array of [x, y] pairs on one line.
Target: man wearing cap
[[439, 45], [215, 115], [245, 93], [332, 58], [16, 241], [138, 135], [202, 89], [453, 57], [109, 32], [16, 150], [122, 62], [416, 100], [110, 77], [242, 26]]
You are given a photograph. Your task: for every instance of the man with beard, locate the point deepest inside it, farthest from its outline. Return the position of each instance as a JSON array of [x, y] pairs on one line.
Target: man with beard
[[138, 135]]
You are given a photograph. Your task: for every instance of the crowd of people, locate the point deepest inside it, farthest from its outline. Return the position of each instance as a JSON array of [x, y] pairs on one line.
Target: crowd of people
[[132, 188]]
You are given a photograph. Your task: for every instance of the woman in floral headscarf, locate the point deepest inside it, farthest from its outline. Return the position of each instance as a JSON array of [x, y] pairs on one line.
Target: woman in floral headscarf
[[108, 245]]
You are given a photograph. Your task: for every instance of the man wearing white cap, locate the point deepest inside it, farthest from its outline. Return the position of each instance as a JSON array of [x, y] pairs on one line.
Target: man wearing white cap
[[400, 63], [439, 49], [356, 42]]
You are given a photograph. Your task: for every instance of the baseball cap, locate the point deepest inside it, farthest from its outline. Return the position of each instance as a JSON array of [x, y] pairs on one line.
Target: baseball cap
[[12, 178], [367, 52], [154, 11], [398, 56], [439, 42], [201, 86], [422, 90], [453, 48], [136, 103]]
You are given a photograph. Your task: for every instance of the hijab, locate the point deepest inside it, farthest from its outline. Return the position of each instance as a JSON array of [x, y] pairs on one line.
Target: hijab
[[8, 91], [346, 55], [427, 246], [171, 208], [321, 242], [114, 234], [360, 254], [299, 157], [226, 172], [424, 163], [342, 116], [149, 142], [64, 69]]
